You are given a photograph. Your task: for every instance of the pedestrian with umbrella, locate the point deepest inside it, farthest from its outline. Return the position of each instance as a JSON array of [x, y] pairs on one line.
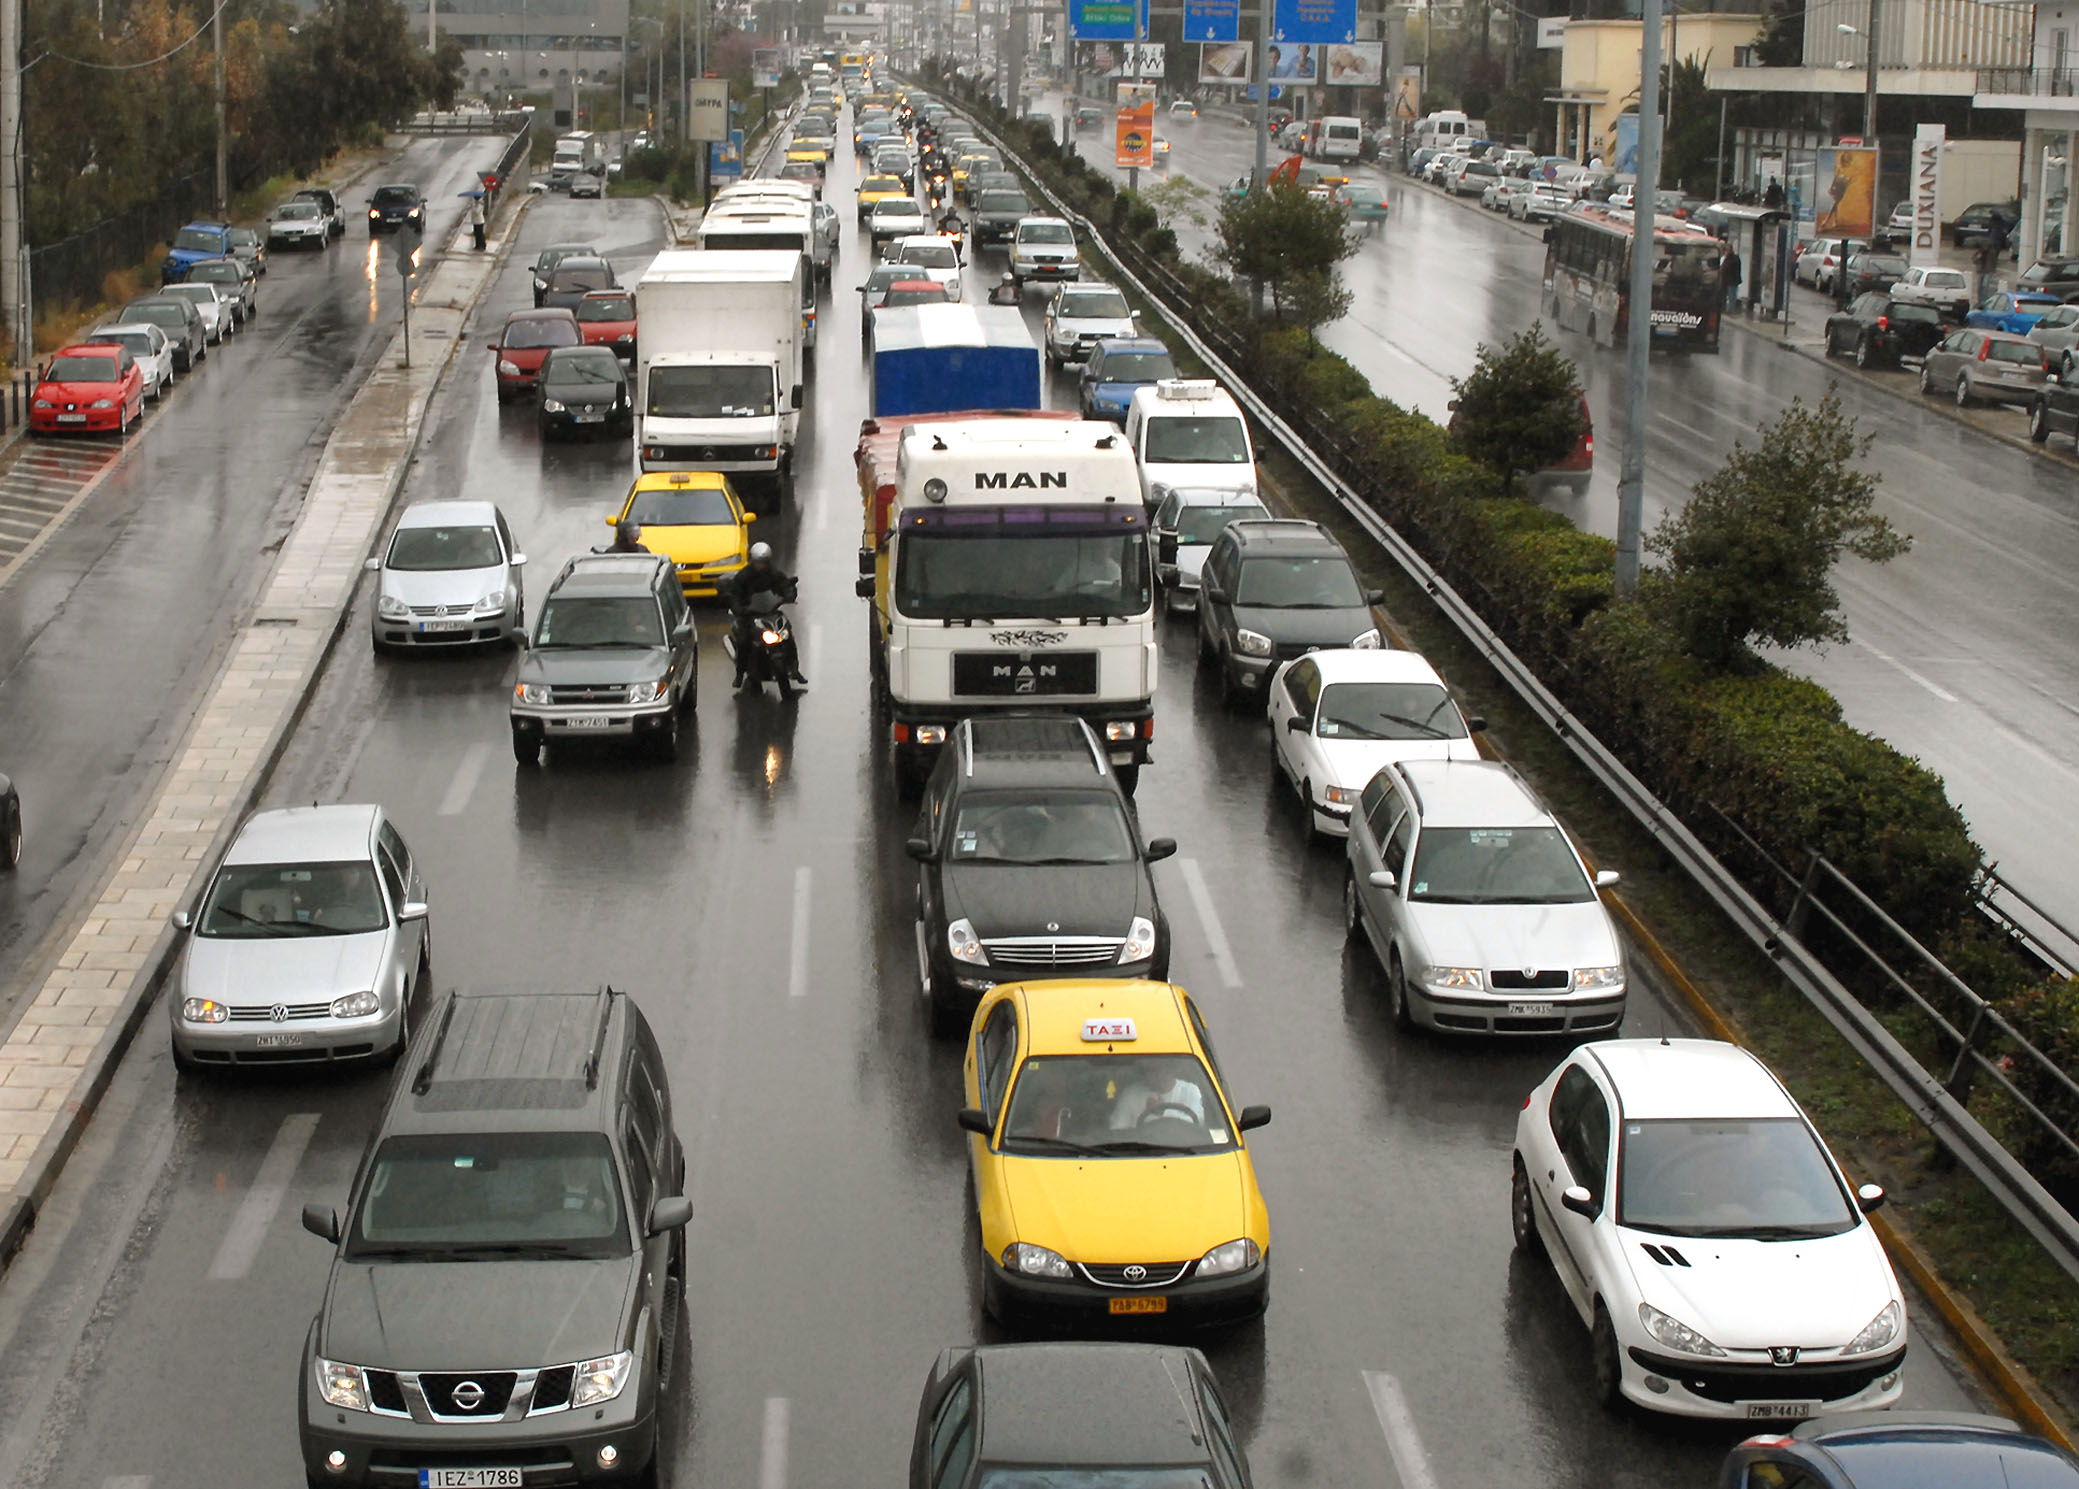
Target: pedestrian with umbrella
[[476, 216]]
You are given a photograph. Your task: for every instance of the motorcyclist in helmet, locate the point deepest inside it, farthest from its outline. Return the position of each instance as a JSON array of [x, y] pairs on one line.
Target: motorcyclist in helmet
[[952, 225], [627, 537], [746, 591]]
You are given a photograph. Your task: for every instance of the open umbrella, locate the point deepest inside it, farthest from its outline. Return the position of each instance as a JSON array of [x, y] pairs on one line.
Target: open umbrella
[[472, 191]]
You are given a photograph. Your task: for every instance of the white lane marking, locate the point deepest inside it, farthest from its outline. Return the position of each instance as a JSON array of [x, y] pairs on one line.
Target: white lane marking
[[822, 514], [1398, 1423], [1942, 693], [127, 1481], [1209, 920], [772, 1456], [467, 773], [241, 1244], [798, 952]]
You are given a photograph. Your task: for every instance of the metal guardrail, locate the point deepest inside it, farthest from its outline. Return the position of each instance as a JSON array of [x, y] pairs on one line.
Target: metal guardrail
[[1926, 1097], [467, 121]]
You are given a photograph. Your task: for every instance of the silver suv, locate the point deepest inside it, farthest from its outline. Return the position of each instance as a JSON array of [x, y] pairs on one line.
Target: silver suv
[[1477, 904], [1044, 249], [308, 947], [612, 656]]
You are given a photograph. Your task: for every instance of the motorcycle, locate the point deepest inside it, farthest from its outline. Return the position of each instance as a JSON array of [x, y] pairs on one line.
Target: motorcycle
[[772, 656], [956, 229]]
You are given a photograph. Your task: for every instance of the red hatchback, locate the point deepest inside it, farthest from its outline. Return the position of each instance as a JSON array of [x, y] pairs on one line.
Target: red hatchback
[[607, 318], [525, 343], [88, 387]]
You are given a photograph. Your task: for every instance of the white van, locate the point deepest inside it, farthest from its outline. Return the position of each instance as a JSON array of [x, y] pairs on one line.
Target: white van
[[1188, 433], [1438, 130], [1335, 137]]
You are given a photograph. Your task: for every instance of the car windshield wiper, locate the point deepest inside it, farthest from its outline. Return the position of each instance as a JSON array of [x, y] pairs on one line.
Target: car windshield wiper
[[271, 927], [1135, 1145], [1050, 1144], [1429, 731], [1449, 899], [519, 1248]]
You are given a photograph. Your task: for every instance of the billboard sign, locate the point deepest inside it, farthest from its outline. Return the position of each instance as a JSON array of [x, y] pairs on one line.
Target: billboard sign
[[1407, 93], [1135, 139], [1140, 59], [1551, 32], [1846, 201], [765, 67], [1296, 63], [707, 109], [725, 158], [1355, 64], [1212, 20], [1929, 140], [1105, 20], [1226, 61], [1316, 22]]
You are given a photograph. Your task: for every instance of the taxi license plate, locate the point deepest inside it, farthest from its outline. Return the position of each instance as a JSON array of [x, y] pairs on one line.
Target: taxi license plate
[[443, 625], [1139, 1305], [589, 721], [470, 1478], [1532, 1010], [72, 418], [591, 418], [1780, 1409], [278, 1041]]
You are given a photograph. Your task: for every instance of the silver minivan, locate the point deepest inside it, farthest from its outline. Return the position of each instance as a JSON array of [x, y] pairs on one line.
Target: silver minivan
[[307, 947]]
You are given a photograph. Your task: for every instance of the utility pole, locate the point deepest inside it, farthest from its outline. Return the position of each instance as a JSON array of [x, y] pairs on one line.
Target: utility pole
[[1140, 31], [1869, 92], [707, 151], [1261, 178], [14, 259], [685, 114], [1638, 346], [223, 127]]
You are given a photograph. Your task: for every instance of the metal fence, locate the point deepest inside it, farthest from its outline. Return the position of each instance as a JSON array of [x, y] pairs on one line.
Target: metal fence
[[72, 269]]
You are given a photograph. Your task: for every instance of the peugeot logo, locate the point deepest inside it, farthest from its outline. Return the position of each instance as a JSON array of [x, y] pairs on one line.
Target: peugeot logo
[[468, 1395], [1783, 1354], [1135, 1273], [279, 1013], [707, 452]]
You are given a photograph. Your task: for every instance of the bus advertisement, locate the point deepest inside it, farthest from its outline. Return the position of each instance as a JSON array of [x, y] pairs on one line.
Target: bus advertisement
[[1588, 278]]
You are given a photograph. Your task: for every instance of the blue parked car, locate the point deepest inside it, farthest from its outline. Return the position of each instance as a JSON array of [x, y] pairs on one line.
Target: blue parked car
[[1115, 369], [1900, 1450], [2017, 313], [191, 245]]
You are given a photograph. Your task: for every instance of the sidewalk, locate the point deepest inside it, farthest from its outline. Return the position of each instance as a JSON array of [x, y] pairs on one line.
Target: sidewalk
[[59, 1056]]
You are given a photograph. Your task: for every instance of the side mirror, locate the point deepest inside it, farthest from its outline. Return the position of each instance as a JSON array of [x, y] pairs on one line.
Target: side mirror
[[1253, 1117], [517, 561], [921, 850], [182, 920], [866, 560], [372, 565], [1297, 724], [797, 395], [413, 910], [492, 345], [1380, 879], [973, 1119], [1161, 848], [1375, 597], [322, 1221], [863, 588], [613, 522], [669, 1214], [1476, 725], [1870, 1198], [1606, 877], [1579, 1200]]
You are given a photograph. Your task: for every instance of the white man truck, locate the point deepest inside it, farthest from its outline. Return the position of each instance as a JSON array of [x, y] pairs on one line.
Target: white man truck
[[1006, 556], [718, 386]]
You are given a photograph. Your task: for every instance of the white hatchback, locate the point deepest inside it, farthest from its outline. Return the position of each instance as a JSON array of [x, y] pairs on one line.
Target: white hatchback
[[1714, 1249]]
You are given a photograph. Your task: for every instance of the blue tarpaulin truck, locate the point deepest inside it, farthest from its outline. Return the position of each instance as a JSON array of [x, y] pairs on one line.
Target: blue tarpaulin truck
[[940, 359]]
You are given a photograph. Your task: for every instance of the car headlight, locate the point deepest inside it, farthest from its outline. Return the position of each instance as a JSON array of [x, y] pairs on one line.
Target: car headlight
[[342, 1385], [43, 403], [356, 1006], [495, 600], [510, 369], [552, 405], [531, 692], [1878, 1332], [391, 606], [1369, 641], [204, 1011], [601, 1379], [648, 692], [1674, 1333], [540, 285], [1234, 1256], [965, 945], [1035, 1261], [1252, 643], [1339, 796], [1466, 978], [372, 213], [1591, 979], [102, 403], [1140, 941]]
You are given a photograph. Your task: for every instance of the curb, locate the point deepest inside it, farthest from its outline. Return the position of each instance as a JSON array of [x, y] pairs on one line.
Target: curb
[[46, 1164]]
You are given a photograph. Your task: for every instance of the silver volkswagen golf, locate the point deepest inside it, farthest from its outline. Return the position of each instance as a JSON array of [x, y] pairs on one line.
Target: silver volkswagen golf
[[449, 577], [309, 945]]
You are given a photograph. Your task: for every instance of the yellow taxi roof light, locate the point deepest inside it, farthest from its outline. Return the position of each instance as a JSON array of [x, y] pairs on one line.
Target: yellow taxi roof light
[[1104, 1031]]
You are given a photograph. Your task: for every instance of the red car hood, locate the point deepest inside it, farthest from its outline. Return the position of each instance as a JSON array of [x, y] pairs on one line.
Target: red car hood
[[77, 392], [597, 332], [526, 358]]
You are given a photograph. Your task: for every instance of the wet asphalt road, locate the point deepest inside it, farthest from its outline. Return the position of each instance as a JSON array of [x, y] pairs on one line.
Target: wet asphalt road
[[831, 1249], [108, 634], [1961, 652]]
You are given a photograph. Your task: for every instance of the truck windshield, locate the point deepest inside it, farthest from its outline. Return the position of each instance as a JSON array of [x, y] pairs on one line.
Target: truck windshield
[[711, 392], [940, 576]]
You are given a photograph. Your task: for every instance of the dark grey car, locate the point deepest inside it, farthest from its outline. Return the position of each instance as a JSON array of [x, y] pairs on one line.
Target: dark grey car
[[575, 277], [612, 656], [2050, 276], [1992, 366], [181, 322], [1273, 590]]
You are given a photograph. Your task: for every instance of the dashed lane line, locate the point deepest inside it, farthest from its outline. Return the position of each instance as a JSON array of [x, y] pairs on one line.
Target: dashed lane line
[[1398, 1423], [241, 1243]]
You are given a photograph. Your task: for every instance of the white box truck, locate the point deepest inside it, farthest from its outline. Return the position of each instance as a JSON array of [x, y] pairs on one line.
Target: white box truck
[[744, 225], [718, 384], [579, 153]]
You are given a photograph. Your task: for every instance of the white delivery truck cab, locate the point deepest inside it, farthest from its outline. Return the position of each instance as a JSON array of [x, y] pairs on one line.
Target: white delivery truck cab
[[1335, 137], [718, 386], [765, 226], [577, 153], [1190, 433]]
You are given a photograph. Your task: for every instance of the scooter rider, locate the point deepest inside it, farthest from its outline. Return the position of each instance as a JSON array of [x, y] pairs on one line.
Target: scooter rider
[[952, 225], [744, 591], [627, 537]]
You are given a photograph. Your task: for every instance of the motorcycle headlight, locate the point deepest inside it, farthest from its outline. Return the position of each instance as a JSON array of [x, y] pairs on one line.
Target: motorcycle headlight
[[531, 692], [1234, 1256], [601, 1379], [965, 945], [1369, 641], [510, 369], [495, 600], [1140, 941], [770, 637], [1252, 643], [342, 1385], [552, 405], [1593, 979], [648, 692], [391, 606], [355, 1006], [1674, 1333], [204, 1011], [1035, 1261], [1466, 978], [1878, 1332]]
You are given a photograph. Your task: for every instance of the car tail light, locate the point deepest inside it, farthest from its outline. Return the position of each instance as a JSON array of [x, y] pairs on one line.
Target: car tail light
[[1984, 348], [1884, 323]]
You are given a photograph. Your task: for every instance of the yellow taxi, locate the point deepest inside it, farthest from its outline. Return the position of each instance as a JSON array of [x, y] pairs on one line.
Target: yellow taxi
[[1109, 1167], [974, 160], [695, 519], [879, 189], [814, 148]]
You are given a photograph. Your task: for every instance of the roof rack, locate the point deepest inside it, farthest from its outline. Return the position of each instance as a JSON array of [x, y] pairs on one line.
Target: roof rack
[[597, 1053], [422, 1078]]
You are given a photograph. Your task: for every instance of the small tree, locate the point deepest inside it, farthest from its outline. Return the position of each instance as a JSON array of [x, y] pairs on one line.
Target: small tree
[[1519, 409], [1281, 235], [1751, 558], [1312, 300]]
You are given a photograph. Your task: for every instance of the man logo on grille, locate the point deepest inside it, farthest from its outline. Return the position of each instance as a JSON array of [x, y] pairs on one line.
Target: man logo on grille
[[279, 1013], [1135, 1273], [468, 1396]]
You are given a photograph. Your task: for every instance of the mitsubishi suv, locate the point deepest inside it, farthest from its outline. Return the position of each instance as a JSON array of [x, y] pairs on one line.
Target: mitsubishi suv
[[503, 1306]]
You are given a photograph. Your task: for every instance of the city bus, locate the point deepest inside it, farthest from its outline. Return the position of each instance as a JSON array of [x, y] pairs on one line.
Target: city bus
[[1588, 278]]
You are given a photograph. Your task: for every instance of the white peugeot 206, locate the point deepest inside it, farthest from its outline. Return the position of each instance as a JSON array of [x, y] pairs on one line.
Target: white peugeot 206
[[1722, 1262]]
